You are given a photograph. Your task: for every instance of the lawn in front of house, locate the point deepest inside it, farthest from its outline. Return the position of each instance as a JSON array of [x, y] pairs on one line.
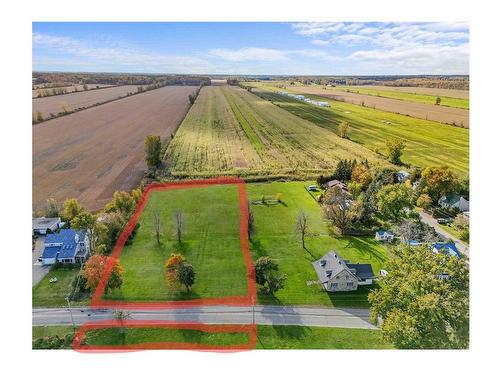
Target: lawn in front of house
[[275, 237], [47, 294], [269, 337], [210, 242]]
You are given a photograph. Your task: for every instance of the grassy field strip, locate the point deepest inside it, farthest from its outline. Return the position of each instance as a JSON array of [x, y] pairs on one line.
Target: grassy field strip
[[428, 143], [228, 122], [269, 337], [412, 97], [211, 243]]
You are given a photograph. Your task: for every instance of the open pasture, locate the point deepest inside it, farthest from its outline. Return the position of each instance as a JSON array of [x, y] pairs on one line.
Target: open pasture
[[90, 154], [52, 105], [231, 131], [388, 92], [428, 143], [444, 114]]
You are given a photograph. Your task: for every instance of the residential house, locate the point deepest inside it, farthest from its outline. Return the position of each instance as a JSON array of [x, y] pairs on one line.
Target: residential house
[[384, 235], [454, 201], [336, 183], [67, 246], [402, 176], [447, 248], [338, 275], [44, 225]]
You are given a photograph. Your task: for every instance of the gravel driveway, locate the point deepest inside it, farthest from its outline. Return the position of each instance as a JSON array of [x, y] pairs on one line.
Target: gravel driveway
[[39, 271]]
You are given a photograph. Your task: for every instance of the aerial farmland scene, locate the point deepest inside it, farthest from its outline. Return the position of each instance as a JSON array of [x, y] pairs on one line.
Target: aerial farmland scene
[[232, 186]]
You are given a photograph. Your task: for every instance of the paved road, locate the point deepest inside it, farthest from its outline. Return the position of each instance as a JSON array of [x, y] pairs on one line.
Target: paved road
[[429, 220], [266, 315], [38, 271]]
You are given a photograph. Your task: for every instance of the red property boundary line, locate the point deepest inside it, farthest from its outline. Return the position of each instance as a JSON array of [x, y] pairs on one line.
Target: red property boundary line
[[243, 300], [250, 330]]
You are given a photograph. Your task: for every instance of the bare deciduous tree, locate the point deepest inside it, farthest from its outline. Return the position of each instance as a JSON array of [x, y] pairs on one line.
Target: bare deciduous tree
[[179, 224], [337, 209], [157, 224], [408, 230], [251, 221], [302, 226]]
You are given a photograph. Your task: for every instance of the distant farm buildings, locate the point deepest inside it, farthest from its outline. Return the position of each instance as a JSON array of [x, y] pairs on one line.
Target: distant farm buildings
[[304, 99]]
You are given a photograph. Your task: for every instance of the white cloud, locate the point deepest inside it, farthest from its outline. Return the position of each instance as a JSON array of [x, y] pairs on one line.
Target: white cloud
[[320, 42], [112, 56], [249, 54], [317, 28]]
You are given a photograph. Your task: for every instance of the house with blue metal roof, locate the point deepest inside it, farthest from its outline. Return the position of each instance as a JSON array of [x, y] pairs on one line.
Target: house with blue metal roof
[[67, 246], [447, 248], [384, 235]]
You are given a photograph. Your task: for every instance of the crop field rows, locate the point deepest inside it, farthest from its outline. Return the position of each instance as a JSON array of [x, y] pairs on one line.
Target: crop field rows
[[231, 131], [428, 143]]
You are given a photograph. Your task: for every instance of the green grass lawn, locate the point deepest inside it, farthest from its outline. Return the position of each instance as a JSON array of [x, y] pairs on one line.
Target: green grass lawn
[[210, 243], [113, 336], [428, 143], [269, 337], [46, 294], [411, 97], [451, 230], [275, 237]]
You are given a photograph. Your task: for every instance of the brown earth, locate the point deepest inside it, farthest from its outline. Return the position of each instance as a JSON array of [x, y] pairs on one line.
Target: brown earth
[[450, 93], [54, 104], [92, 153], [70, 89], [448, 115]]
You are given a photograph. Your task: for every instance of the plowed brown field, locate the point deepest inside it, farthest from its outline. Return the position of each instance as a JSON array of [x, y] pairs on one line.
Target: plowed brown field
[[69, 89], [83, 99], [92, 153]]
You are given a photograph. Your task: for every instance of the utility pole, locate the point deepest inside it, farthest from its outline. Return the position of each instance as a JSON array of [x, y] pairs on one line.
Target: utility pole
[[71, 313]]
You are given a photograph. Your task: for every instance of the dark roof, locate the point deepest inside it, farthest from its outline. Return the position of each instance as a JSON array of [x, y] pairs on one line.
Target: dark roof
[[44, 222], [63, 243], [331, 264], [338, 183], [362, 271]]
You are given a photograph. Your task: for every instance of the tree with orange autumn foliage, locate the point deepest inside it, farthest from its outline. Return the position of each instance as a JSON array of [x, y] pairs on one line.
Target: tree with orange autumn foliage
[[94, 270], [179, 271]]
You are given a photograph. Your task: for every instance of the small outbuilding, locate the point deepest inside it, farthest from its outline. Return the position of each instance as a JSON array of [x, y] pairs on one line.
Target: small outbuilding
[[402, 176], [44, 225]]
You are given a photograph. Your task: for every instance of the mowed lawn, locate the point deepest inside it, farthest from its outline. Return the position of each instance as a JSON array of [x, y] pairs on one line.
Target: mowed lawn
[[269, 337], [275, 237], [211, 243], [47, 294], [428, 143]]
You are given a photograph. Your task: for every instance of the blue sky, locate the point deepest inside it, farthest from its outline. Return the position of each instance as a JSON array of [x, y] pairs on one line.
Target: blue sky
[[309, 48]]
